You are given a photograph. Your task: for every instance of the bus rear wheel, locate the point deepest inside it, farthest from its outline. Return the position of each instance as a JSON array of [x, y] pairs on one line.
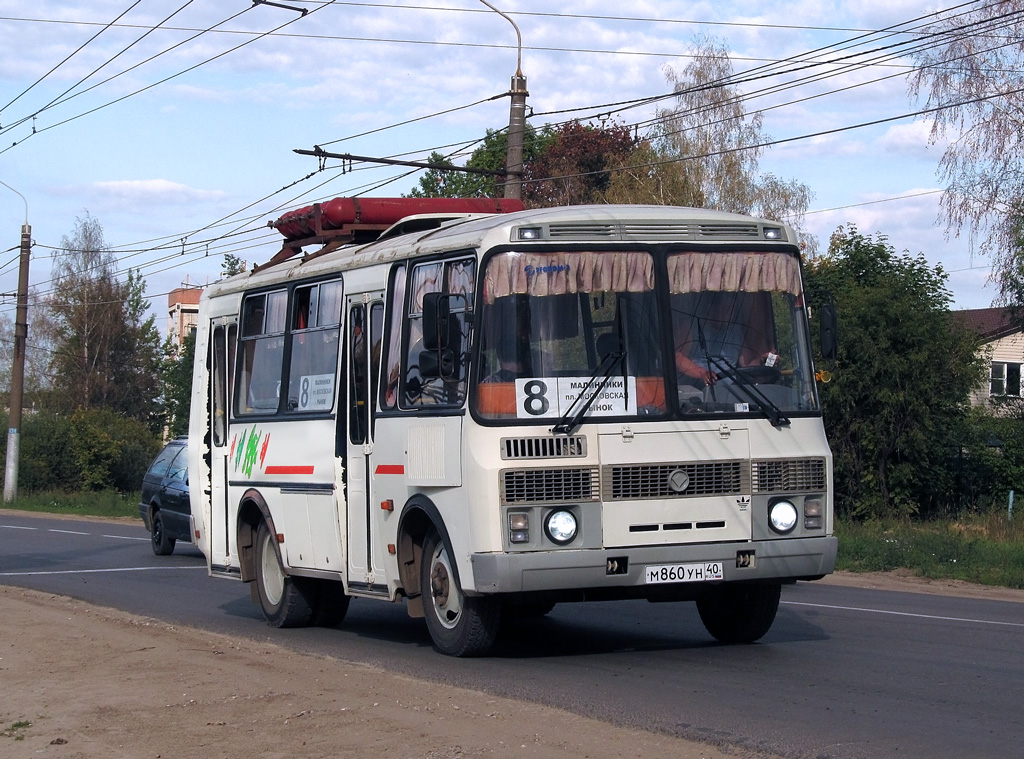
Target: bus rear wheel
[[459, 625], [739, 613], [286, 601]]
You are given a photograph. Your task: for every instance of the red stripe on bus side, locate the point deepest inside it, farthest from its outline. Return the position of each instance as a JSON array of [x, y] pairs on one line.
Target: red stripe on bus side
[[390, 469], [289, 470]]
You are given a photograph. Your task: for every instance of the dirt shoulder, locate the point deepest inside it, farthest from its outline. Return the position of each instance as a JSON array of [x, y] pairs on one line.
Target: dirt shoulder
[[89, 683]]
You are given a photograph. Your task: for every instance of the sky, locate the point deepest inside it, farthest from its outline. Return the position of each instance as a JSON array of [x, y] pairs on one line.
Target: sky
[[174, 124]]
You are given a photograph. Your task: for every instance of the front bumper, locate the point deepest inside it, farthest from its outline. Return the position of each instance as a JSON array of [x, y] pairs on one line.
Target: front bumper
[[563, 570]]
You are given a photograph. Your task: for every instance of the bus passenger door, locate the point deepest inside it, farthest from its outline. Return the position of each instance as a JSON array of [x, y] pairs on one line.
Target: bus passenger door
[[223, 338], [364, 331]]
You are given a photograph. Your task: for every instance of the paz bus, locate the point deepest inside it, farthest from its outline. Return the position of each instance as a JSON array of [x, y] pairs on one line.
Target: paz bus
[[483, 411]]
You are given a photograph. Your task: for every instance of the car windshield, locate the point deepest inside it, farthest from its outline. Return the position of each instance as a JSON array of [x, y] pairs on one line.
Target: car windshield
[[708, 333]]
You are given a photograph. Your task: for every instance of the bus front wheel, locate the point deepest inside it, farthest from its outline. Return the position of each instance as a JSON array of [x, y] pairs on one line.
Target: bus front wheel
[[285, 600], [739, 613], [459, 625]]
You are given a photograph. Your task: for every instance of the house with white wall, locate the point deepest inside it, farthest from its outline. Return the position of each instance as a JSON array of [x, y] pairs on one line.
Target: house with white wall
[[1004, 350]]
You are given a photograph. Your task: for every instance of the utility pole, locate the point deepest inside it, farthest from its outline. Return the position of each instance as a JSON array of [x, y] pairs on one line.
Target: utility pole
[[516, 118], [516, 128], [18, 370]]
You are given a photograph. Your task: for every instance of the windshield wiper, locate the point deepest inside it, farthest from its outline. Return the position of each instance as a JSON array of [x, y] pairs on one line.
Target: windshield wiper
[[752, 391], [570, 420]]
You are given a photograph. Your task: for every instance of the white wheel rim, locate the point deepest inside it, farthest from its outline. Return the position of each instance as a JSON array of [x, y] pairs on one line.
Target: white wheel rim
[[444, 591], [273, 577]]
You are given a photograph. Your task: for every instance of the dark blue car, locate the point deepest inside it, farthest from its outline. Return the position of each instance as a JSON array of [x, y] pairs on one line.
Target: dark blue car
[[165, 508]]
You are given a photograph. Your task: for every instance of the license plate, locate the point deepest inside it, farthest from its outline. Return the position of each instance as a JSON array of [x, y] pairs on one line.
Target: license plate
[[664, 573]]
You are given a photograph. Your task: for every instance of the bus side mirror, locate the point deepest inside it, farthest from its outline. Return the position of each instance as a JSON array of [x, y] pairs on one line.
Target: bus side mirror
[[436, 321], [827, 335]]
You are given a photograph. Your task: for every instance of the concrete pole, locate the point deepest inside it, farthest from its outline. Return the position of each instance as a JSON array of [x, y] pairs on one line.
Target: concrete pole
[[516, 128], [18, 370]]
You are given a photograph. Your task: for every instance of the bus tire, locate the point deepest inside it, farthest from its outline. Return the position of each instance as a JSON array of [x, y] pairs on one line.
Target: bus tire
[[163, 544], [331, 604], [459, 625], [739, 613], [285, 600]]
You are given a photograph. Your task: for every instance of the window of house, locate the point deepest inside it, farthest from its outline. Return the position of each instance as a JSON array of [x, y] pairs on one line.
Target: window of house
[[1005, 378]]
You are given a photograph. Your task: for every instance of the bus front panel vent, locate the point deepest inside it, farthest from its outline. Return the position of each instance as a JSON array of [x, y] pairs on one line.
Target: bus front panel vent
[[564, 485], [518, 448]]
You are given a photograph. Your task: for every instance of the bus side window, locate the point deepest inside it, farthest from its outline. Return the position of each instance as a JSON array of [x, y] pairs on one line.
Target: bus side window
[[396, 308], [423, 382], [262, 359], [315, 332]]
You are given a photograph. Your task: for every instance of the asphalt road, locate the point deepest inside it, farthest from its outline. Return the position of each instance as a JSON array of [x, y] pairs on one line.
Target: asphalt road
[[844, 672]]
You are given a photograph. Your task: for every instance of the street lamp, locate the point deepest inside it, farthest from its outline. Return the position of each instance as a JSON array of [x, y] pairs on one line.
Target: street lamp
[[516, 117]]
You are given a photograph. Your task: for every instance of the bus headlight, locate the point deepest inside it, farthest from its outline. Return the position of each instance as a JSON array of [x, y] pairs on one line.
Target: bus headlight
[[782, 516], [561, 527]]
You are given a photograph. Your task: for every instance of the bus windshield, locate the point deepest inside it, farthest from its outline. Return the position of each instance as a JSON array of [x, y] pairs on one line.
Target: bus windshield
[[708, 332]]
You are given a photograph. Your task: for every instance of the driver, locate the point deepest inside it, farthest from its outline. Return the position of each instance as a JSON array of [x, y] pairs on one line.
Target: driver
[[718, 334]]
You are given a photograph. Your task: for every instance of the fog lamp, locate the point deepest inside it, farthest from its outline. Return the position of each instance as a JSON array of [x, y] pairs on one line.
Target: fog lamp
[[812, 514], [782, 516], [561, 527], [519, 528]]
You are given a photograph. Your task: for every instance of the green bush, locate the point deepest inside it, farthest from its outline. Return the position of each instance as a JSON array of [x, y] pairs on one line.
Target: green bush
[[112, 451]]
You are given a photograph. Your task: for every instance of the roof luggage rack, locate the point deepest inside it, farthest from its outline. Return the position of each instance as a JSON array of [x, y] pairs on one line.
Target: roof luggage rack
[[356, 221]]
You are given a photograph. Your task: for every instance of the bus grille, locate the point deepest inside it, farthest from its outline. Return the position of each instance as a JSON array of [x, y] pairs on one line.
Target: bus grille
[[549, 485], [682, 480], [543, 447], [789, 476], [729, 230]]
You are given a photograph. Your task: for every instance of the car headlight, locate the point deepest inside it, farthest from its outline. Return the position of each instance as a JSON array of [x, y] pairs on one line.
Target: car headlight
[[782, 516], [561, 527]]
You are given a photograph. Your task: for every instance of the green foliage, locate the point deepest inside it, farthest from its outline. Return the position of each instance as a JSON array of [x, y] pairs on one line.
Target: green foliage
[[177, 377], [46, 460], [987, 550], [896, 412], [112, 452], [107, 351], [491, 155]]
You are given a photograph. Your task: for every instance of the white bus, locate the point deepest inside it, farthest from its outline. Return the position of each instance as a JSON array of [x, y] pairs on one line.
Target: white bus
[[487, 414]]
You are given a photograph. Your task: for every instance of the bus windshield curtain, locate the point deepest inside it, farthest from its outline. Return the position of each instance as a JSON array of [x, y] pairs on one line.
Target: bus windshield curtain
[[541, 274]]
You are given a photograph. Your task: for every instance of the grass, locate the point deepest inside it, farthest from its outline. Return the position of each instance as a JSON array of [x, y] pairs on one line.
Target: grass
[[104, 503], [985, 549], [15, 730]]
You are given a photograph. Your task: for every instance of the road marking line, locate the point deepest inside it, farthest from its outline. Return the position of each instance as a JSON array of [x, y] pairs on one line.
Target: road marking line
[[906, 614], [91, 571], [124, 537], [69, 532], [17, 527]]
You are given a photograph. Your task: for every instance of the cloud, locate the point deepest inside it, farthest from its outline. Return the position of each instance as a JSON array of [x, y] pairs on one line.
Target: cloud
[[148, 191], [912, 141]]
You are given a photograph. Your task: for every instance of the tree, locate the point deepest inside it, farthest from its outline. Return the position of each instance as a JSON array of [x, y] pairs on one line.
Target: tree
[[231, 265], [177, 378], [896, 409], [107, 351], [704, 150], [970, 73], [576, 166], [38, 352], [491, 155]]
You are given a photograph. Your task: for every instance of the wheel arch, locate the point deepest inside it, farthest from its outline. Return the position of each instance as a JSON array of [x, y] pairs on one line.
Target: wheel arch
[[419, 516], [252, 510]]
